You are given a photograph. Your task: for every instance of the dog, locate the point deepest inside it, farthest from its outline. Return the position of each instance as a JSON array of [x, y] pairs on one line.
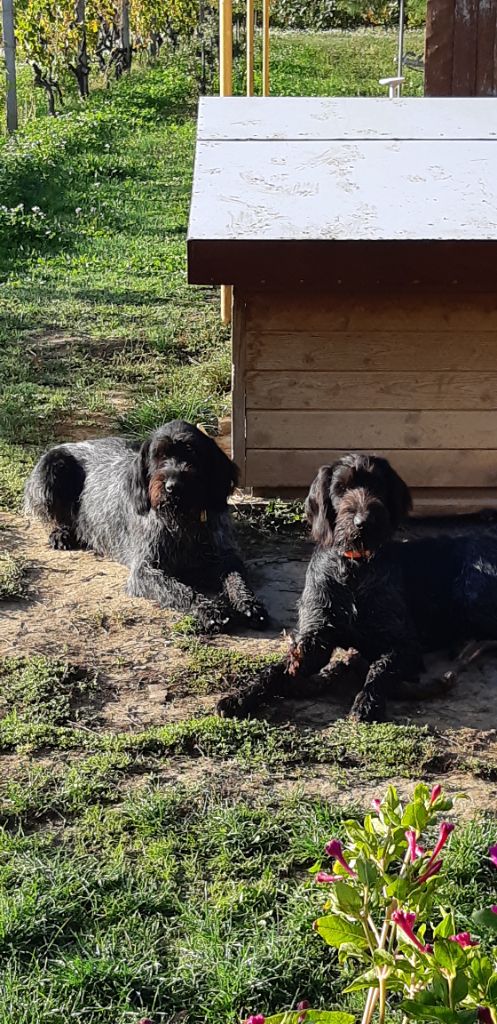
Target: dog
[[161, 509], [390, 601]]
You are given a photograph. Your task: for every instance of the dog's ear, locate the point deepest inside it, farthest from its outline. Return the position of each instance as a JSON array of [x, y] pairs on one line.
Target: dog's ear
[[139, 479], [222, 476], [399, 497], [319, 509]]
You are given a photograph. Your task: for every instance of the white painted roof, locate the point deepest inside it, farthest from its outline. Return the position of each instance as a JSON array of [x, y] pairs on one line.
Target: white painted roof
[[345, 169]]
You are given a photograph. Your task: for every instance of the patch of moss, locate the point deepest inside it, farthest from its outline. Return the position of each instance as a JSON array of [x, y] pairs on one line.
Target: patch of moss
[[13, 577], [37, 690]]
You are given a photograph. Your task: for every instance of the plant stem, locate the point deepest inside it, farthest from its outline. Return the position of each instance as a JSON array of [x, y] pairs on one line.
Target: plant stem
[[382, 996]]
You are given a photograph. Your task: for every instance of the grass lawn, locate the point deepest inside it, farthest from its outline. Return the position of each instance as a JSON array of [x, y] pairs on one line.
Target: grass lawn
[[157, 870]]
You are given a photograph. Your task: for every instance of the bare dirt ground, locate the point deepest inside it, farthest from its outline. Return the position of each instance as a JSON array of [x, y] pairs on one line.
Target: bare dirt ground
[[77, 609]]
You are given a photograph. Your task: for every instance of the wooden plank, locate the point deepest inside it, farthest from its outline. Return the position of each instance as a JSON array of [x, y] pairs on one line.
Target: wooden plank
[[353, 351], [372, 390], [426, 503], [464, 48], [487, 25], [427, 468], [363, 311], [439, 41], [300, 118], [238, 385], [371, 429]]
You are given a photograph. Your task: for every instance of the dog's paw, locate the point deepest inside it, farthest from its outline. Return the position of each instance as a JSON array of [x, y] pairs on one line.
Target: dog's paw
[[254, 614], [367, 708], [62, 539], [231, 706], [211, 617]]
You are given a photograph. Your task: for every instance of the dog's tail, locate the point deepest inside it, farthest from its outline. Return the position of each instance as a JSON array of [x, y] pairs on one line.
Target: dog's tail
[[54, 488]]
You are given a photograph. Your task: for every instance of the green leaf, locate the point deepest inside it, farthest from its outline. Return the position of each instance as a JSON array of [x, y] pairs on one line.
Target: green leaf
[[348, 899], [486, 919], [448, 955], [336, 931], [367, 872], [446, 927], [367, 980], [460, 986], [435, 1012], [382, 958]]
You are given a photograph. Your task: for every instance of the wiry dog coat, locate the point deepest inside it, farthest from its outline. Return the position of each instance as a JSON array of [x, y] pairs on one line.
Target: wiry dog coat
[[159, 508]]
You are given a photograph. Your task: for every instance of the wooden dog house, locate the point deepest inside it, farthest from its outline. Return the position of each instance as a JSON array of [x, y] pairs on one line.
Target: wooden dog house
[[360, 236]]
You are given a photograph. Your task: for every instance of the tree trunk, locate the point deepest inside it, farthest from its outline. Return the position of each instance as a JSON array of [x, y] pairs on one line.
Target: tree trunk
[[9, 43], [81, 68], [125, 40]]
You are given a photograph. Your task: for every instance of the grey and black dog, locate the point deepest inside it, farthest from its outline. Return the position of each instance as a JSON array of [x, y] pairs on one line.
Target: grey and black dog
[[388, 600], [159, 508]]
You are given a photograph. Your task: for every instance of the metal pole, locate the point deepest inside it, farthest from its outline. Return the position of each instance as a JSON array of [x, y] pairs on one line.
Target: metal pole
[[250, 47], [226, 89], [265, 47], [400, 55], [9, 43]]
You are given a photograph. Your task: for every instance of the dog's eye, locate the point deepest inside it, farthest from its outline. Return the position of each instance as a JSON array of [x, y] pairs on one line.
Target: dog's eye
[[339, 487]]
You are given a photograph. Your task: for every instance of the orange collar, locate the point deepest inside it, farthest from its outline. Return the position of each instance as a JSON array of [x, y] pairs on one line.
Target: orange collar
[[356, 556]]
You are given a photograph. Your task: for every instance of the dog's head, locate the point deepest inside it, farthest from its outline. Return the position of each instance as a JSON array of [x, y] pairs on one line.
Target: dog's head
[[179, 470], [356, 504]]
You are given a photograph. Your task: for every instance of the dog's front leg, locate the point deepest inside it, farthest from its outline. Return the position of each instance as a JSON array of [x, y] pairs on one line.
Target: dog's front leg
[[385, 677], [287, 678], [241, 597], [149, 582]]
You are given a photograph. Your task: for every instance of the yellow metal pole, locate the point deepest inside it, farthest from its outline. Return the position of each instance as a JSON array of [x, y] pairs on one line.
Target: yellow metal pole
[[250, 47], [226, 89], [265, 47]]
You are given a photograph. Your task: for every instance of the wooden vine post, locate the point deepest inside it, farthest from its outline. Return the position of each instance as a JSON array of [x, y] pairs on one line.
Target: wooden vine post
[[9, 44], [226, 89]]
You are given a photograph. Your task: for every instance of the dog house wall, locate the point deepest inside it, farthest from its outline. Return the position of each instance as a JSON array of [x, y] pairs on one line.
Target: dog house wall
[[361, 239]]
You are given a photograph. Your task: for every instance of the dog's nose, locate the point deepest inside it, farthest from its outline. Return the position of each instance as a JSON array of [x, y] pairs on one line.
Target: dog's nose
[[170, 486], [359, 519]]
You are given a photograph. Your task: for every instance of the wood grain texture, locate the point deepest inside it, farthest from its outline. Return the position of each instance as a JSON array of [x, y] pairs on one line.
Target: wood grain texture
[[363, 311], [238, 386], [486, 84], [465, 47], [411, 389], [371, 429], [427, 468], [439, 42], [386, 351]]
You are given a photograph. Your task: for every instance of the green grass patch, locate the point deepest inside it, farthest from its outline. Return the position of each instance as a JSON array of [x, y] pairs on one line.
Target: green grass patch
[[37, 691], [14, 577], [183, 906], [214, 668]]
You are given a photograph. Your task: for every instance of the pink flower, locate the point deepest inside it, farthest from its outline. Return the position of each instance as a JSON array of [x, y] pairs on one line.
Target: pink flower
[[405, 920], [376, 804], [446, 828], [493, 854], [145, 1020], [334, 849], [435, 793], [414, 850], [303, 1005], [323, 877], [464, 940], [494, 908], [484, 1015], [256, 1018], [431, 870]]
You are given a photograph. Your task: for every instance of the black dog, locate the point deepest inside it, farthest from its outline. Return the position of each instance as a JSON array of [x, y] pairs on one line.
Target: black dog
[[160, 509], [388, 600]]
